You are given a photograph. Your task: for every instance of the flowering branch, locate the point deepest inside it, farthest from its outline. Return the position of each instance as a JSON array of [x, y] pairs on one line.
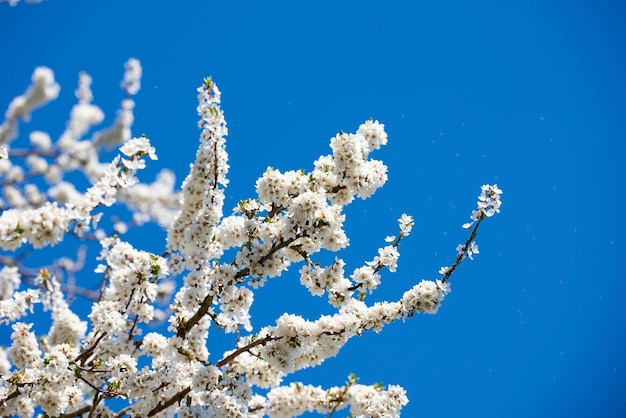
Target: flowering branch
[[82, 362], [488, 204]]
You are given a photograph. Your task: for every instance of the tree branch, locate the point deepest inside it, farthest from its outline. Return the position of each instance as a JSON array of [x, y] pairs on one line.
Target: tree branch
[[247, 347], [171, 401]]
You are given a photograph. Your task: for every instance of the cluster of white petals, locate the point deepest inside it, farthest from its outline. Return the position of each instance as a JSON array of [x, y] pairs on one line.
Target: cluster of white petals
[[43, 89], [132, 76], [48, 224], [488, 203], [9, 281], [67, 327], [192, 232], [363, 401], [108, 361]]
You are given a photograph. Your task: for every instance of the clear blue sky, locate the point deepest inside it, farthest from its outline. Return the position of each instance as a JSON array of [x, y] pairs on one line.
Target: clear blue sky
[[530, 95]]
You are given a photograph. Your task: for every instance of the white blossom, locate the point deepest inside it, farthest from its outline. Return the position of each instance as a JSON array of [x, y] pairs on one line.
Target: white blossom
[[40, 139], [425, 296], [132, 76], [5, 365], [9, 281], [202, 200], [25, 350], [67, 327], [19, 305], [406, 224], [42, 89], [138, 147]]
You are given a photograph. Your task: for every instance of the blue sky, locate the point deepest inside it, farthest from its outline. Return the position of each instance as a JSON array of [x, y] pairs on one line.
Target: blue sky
[[530, 95]]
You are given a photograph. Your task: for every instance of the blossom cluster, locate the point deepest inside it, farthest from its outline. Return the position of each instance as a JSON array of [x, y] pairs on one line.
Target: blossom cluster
[[113, 359], [364, 401], [488, 204]]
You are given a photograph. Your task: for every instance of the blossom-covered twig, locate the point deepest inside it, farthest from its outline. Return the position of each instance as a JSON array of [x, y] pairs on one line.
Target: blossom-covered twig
[[488, 204]]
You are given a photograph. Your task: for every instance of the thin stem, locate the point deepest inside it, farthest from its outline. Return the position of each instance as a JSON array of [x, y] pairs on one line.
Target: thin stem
[[380, 265], [97, 389], [461, 254]]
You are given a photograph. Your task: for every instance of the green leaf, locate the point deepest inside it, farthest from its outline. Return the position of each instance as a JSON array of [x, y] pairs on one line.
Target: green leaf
[[19, 229]]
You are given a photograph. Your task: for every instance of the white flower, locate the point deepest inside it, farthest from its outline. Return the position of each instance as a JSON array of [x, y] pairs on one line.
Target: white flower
[[40, 140], [36, 163], [367, 277], [106, 316], [444, 287], [25, 350], [132, 76], [473, 249], [66, 327], [373, 401], [139, 147], [406, 224], [10, 280], [489, 200], [425, 296], [154, 344], [388, 257], [17, 307], [374, 133]]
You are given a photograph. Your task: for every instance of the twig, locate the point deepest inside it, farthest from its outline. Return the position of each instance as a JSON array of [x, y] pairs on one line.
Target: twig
[[461, 254], [247, 347], [171, 401]]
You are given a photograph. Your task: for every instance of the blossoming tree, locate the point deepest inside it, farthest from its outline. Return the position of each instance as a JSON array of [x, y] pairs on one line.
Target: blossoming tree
[[112, 362]]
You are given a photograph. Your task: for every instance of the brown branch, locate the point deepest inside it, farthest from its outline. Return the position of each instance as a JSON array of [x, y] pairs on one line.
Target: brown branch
[[246, 271], [76, 413], [208, 300], [83, 356], [247, 347], [191, 322], [276, 209], [12, 395], [106, 393], [96, 400], [171, 401]]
